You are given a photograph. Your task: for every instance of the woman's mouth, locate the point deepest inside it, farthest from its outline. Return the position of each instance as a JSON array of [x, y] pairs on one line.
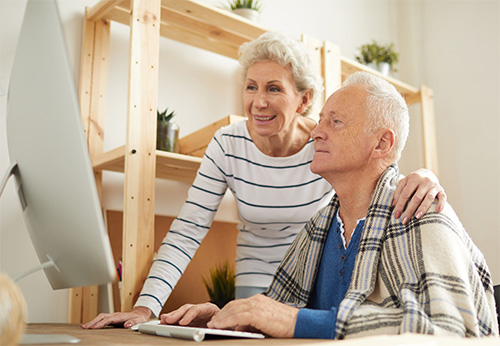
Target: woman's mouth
[[264, 118]]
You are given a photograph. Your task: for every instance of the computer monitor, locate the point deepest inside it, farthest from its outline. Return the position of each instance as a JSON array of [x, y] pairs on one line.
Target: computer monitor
[[49, 157]]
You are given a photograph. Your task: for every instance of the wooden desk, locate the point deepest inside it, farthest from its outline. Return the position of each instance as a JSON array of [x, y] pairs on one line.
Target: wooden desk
[[120, 336]]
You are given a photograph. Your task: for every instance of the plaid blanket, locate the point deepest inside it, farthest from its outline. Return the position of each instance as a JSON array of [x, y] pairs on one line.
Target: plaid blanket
[[424, 277]]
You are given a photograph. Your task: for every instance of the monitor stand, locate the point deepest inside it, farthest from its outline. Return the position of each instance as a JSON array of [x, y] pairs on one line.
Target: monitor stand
[[35, 339], [32, 339]]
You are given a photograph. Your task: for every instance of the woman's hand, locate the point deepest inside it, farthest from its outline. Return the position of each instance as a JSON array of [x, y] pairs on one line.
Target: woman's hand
[[197, 315], [138, 314], [423, 187]]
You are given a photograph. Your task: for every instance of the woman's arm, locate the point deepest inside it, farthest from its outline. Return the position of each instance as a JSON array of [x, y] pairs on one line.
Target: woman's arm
[[178, 246]]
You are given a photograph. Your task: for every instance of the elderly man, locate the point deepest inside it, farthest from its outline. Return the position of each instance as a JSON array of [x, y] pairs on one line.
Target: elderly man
[[354, 270]]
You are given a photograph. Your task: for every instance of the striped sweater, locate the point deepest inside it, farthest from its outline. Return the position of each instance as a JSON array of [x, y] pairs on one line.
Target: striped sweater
[[275, 197], [425, 277]]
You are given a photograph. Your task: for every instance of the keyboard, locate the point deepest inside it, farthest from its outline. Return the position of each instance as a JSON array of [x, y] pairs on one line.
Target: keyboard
[[192, 333]]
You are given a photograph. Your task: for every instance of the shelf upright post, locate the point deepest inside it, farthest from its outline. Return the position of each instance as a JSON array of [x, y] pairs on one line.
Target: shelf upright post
[[331, 68], [428, 129], [315, 46], [140, 152], [92, 94]]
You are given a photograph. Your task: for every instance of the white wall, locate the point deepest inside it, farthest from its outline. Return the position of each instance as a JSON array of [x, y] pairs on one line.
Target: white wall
[[441, 43]]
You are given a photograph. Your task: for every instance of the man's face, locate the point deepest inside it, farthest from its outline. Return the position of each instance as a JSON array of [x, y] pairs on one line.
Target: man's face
[[340, 140]]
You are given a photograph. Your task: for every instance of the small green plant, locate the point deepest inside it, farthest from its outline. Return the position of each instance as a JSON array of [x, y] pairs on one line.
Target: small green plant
[[220, 284], [251, 4], [167, 132], [163, 116], [375, 53]]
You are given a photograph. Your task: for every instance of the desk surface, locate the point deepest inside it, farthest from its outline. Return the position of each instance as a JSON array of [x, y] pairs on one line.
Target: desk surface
[[120, 336]]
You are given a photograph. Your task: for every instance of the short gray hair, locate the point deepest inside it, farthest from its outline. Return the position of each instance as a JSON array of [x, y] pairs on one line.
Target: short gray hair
[[385, 106], [285, 51]]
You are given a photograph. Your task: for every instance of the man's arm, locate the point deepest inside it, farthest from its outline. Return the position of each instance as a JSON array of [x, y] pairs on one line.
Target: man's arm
[[315, 324]]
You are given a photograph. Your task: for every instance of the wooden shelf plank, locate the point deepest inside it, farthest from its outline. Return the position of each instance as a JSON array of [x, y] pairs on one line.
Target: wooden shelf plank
[[216, 17], [170, 166], [190, 22], [195, 143], [410, 93]]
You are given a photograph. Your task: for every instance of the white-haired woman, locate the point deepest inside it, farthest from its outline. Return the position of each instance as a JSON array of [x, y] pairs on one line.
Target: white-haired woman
[[264, 161]]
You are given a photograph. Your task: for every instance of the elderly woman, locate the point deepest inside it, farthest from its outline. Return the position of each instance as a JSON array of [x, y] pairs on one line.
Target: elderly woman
[[265, 162]]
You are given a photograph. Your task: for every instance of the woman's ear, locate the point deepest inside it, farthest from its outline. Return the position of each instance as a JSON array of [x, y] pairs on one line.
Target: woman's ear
[[385, 144], [305, 100]]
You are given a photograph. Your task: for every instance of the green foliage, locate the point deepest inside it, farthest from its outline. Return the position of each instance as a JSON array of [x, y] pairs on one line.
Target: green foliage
[[373, 52], [251, 4], [163, 116], [220, 284]]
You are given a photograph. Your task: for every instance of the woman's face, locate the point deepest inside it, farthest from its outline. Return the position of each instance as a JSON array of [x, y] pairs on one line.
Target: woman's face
[[271, 99]]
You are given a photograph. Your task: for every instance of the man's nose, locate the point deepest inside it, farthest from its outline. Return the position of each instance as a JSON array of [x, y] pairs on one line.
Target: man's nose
[[315, 132]]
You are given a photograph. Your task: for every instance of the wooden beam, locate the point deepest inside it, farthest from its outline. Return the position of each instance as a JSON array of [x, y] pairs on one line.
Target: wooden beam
[[102, 10], [429, 129], [93, 71], [331, 68], [315, 46], [140, 153], [97, 109], [90, 300], [86, 64], [75, 305]]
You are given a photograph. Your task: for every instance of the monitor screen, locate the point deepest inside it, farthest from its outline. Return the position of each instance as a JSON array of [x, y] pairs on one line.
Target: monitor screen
[[50, 159]]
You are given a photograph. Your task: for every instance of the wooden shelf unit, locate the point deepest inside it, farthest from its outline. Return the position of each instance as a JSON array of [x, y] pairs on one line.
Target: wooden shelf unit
[[202, 26]]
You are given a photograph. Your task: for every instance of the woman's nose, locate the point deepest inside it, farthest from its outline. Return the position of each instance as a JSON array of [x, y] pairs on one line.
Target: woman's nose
[[260, 99]]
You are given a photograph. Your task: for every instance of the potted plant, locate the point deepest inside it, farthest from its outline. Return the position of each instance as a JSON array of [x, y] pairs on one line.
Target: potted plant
[[248, 9], [380, 57], [220, 284], [167, 132]]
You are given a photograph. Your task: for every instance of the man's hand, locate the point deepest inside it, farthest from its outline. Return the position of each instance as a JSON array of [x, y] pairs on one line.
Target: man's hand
[[138, 314], [257, 313], [423, 187], [191, 315]]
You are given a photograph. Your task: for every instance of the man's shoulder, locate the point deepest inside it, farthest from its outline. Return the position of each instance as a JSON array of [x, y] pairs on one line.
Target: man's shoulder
[[441, 228], [447, 217]]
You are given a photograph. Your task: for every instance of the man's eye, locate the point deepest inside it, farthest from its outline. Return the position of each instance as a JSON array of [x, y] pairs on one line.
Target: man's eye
[[337, 123]]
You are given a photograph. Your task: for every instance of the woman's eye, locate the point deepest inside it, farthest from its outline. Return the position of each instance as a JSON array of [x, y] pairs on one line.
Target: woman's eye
[[251, 87], [274, 89]]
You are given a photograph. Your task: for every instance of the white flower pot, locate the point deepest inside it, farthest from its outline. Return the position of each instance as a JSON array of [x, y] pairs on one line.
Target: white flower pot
[[247, 13], [383, 67]]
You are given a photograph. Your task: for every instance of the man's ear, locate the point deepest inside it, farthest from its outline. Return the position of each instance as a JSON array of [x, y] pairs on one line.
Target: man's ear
[[305, 100], [386, 141]]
